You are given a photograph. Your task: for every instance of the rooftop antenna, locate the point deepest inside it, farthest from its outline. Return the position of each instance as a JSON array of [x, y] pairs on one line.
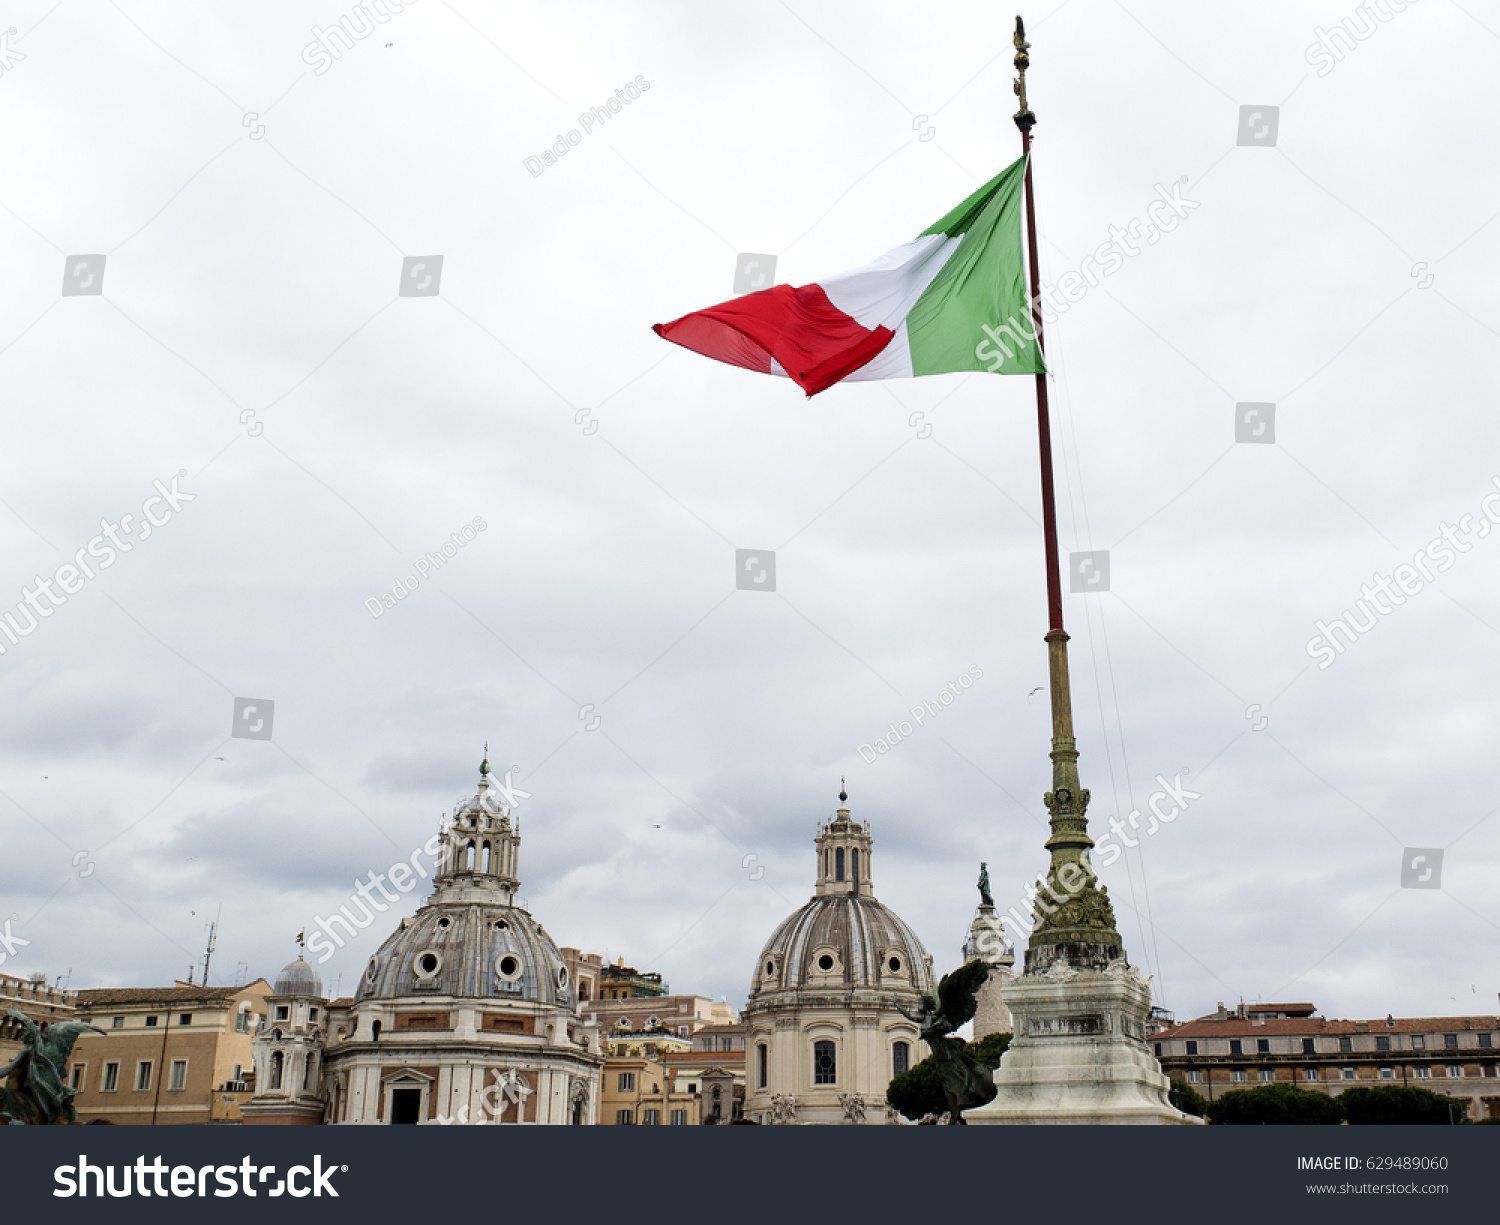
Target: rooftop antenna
[[241, 969], [208, 951]]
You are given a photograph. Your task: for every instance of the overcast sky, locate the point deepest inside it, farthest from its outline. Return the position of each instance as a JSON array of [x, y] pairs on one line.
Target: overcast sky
[[679, 738]]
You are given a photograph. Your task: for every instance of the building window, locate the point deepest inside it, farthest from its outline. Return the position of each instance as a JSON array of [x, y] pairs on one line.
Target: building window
[[1382, 1043], [143, 1076], [900, 1058], [1308, 1048], [1192, 1048], [1267, 1076], [178, 1081], [184, 1018], [1418, 1042], [278, 1063], [111, 1080], [1348, 1073], [1455, 1070], [1387, 1073], [625, 1118], [150, 1022], [1236, 1047], [1346, 1043], [1486, 1040], [825, 1064], [679, 1118], [242, 1021], [1450, 1041], [838, 864], [77, 1080], [651, 1118], [762, 1060], [117, 1023], [627, 1081], [1310, 1074], [1263, 1046], [1238, 1076], [1489, 1069], [1158, 1050], [854, 857], [1195, 1077], [1423, 1073], [281, 1012]]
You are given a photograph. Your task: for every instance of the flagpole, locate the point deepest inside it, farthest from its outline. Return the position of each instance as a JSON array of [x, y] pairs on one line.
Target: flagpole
[[1080, 928]]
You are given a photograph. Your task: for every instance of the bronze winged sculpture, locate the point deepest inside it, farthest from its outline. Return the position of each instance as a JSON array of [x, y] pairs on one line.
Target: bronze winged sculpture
[[966, 1082], [35, 1092]]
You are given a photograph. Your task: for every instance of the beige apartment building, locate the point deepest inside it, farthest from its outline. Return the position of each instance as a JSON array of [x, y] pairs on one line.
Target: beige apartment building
[[1257, 1044], [168, 1055], [34, 999]]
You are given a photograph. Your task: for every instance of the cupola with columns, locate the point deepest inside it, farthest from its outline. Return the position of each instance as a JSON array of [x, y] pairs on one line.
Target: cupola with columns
[[843, 847], [480, 845]]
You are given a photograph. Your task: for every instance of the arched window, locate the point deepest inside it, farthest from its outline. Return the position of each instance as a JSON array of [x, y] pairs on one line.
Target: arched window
[[469, 857], [838, 863], [277, 1062], [762, 1062], [825, 1064], [485, 860], [900, 1058], [375, 1031], [307, 1074], [855, 873]]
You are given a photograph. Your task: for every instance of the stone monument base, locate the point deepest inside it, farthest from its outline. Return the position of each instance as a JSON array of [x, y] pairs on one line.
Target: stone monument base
[[1079, 1053]]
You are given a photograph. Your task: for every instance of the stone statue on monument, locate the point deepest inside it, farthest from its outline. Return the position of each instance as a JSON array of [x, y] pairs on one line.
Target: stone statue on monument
[[966, 1083], [985, 899]]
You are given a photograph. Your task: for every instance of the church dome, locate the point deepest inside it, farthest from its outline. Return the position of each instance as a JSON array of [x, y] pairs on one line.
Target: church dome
[[298, 978], [839, 942], [843, 938], [460, 949], [472, 939]]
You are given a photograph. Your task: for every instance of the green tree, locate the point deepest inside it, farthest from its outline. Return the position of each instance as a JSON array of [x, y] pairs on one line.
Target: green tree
[[989, 1049], [1187, 1099], [1386, 1104], [918, 1091], [1275, 1104]]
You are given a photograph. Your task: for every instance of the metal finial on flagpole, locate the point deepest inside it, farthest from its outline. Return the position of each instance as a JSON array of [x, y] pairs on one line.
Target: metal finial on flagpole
[[1023, 117]]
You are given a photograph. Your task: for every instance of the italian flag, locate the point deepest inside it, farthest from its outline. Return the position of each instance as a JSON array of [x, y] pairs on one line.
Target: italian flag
[[952, 299]]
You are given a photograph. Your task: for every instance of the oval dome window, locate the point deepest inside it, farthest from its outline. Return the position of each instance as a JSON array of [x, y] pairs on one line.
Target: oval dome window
[[895, 964], [825, 963]]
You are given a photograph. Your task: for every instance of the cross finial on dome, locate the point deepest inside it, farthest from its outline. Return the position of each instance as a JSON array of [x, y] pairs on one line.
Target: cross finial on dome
[[484, 768], [843, 791]]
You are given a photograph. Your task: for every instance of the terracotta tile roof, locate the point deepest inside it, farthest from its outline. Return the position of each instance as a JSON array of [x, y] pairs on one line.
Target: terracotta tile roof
[[1296, 1027], [103, 997]]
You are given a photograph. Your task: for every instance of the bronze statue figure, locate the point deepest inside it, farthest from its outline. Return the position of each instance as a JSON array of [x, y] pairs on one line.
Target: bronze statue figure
[[35, 1092], [966, 1082], [985, 899]]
